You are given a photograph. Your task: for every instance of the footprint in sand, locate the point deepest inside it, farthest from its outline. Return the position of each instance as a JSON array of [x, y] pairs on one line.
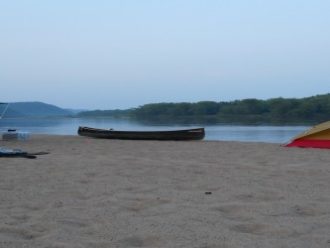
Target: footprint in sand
[[263, 196], [39, 228], [76, 223], [32, 207], [99, 244], [301, 211], [90, 174], [266, 230], [141, 204], [214, 246], [57, 204], [81, 196], [19, 219], [252, 228], [62, 245], [16, 233], [136, 241], [84, 181], [234, 212], [305, 211]]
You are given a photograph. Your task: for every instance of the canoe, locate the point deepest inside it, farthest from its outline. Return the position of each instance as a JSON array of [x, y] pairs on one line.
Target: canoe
[[187, 134]]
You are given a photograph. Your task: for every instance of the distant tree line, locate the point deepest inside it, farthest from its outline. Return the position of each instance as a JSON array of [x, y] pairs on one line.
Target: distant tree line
[[106, 113], [277, 110]]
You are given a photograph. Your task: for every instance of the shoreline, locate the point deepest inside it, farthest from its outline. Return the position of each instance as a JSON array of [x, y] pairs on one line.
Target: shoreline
[[114, 193], [268, 134], [45, 135]]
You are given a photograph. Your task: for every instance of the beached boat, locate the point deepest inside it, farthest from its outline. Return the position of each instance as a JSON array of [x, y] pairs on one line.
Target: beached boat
[[187, 134]]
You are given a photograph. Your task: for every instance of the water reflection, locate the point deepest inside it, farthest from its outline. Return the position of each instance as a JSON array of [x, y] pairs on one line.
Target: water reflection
[[69, 126], [272, 134]]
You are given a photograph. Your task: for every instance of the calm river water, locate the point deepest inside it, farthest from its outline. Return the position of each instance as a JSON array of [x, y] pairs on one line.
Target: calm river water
[[69, 126]]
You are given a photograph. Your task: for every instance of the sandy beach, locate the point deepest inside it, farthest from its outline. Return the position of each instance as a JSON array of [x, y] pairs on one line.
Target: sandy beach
[[112, 193]]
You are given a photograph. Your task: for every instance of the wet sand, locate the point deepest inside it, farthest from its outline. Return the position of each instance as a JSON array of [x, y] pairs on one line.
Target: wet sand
[[204, 194]]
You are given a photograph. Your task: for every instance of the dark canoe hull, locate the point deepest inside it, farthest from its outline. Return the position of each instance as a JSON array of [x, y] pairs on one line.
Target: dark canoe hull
[[188, 134]]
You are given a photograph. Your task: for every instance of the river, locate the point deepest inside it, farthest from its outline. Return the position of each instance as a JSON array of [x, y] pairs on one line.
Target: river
[[69, 126]]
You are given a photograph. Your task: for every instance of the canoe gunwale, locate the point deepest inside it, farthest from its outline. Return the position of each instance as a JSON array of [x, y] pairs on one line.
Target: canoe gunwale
[[186, 134]]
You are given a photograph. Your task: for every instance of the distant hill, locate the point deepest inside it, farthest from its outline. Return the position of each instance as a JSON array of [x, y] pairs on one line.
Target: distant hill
[[35, 109]]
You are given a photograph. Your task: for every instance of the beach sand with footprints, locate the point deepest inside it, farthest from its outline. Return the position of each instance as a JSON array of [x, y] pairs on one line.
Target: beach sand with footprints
[[112, 193]]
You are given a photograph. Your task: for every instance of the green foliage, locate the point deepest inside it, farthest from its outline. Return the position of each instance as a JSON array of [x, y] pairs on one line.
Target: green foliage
[[205, 108], [253, 111], [105, 113]]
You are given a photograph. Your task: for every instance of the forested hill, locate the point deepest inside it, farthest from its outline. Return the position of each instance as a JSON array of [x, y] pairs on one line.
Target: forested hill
[[277, 110], [34, 109]]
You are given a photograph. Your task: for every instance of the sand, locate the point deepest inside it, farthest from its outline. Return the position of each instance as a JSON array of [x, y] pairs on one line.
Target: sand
[[204, 194]]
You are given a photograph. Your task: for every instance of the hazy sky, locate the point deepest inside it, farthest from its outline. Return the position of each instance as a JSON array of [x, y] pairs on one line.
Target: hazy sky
[[118, 54]]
